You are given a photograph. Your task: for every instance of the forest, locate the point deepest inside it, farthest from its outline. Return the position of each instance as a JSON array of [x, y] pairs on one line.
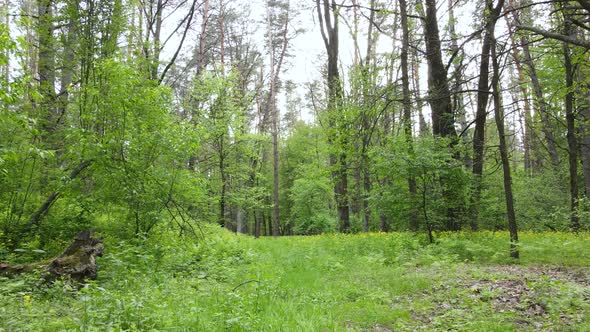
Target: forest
[[282, 165]]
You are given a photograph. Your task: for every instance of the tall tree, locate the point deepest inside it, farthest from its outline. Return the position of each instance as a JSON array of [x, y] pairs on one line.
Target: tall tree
[[457, 56], [327, 12], [491, 14], [46, 67], [439, 98], [439, 95], [278, 25], [407, 110], [499, 117], [529, 144], [570, 116], [5, 16], [540, 103]]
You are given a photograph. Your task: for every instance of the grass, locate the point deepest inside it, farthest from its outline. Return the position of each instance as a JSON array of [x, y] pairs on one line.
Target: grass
[[367, 282]]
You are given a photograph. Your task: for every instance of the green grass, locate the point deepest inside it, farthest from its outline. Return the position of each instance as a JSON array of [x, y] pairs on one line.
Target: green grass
[[368, 282]]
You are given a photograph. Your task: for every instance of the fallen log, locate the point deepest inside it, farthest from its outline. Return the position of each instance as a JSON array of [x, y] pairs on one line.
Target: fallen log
[[7, 270]]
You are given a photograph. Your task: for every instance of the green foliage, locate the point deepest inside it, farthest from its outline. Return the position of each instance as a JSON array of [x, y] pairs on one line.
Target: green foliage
[[140, 156], [306, 187], [431, 162], [312, 198], [136, 151]]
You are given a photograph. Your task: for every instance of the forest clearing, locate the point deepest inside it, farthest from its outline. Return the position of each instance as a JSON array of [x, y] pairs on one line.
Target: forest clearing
[[332, 282], [283, 165]]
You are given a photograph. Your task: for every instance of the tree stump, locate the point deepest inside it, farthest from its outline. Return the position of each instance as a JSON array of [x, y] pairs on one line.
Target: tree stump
[[78, 261]]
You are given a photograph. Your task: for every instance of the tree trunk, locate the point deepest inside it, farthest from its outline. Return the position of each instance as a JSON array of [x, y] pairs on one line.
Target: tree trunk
[[46, 67], [571, 125], [257, 222], [222, 195], [422, 125], [275, 69], [156, 40], [241, 226], [274, 129], [540, 104], [499, 117], [528, 139], [69, 63], [338, 160], [4, 14], [416, 76], [407, 113], [366, 207], [439, 97], [584, 112], [200, 65], [443, 119], [482, 104]]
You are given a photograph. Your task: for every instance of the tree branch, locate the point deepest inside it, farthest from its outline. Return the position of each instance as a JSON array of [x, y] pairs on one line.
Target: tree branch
[[557, 36]]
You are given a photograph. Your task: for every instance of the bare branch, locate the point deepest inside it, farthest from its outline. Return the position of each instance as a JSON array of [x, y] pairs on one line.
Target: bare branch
[[188, 25], [557, 36]]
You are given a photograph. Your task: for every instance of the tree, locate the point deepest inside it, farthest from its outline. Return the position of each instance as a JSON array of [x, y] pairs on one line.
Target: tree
[[499, 117], [491, 14], [572, 140], [407, 115], [278, 26], [540, 102], [336, 126], [439, 98]]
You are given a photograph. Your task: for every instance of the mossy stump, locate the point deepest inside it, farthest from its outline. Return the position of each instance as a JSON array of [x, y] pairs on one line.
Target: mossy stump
[[78, 261]]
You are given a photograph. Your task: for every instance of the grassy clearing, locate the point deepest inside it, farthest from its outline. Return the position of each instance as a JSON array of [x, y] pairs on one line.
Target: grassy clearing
[[369, 282]]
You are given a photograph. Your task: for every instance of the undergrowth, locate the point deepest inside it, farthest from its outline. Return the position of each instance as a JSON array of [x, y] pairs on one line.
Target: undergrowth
[[372, 282]]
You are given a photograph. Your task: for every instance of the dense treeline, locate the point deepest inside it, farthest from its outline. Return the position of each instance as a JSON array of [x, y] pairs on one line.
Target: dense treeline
[[131, 116]]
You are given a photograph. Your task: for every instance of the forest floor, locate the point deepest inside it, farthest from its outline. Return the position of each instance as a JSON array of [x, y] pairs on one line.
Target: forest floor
[[366, 282]]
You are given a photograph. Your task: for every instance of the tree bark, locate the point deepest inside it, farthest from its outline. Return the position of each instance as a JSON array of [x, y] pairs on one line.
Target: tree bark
[[275, 69], [328, 18], [439, 97], [422, 125], [571, 137], [443, 119], [46, 67], [482, 104], [5, 14], [200, 66], [499, 117], [572, 141], [224, 184], [584, 140], [407, 113]]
